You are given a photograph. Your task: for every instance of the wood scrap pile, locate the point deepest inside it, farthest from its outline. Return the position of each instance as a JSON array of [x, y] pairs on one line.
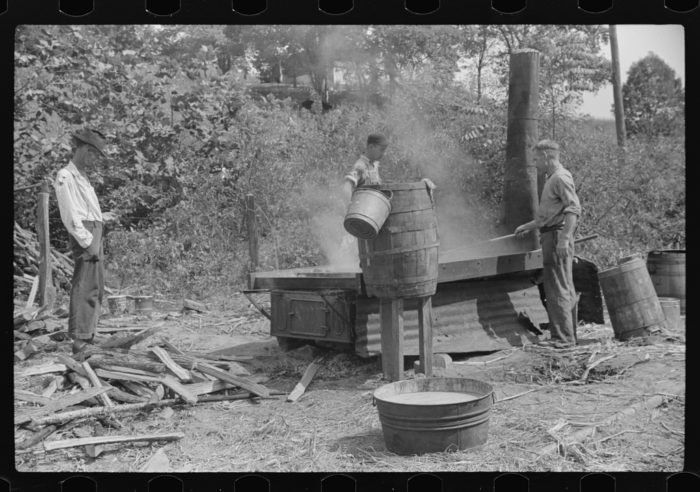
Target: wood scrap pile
[[111, 379], [36, 329], [26, 262]]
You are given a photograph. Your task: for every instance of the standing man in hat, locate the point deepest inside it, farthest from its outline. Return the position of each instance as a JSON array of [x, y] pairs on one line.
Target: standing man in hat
[[82, 217], [556, 219]]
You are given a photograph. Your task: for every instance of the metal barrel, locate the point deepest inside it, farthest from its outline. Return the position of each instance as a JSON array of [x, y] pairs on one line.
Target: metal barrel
[[631, 300], [667, 271], [417, 429], [671, 307], [402, 260]]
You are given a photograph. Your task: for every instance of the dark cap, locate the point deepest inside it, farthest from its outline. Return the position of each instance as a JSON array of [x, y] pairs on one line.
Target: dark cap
[[377, 139], [91, 137]]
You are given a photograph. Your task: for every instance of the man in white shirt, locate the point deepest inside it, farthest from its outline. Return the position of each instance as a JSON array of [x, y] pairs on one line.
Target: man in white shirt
[[82, 217]]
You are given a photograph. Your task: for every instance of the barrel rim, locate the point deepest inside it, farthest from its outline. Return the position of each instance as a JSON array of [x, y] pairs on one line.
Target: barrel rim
[[667, 251], [374, 192], [623, 267], [398, 185]]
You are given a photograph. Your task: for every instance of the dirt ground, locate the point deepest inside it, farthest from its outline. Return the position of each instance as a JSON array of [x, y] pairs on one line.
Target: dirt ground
[[335, 427]]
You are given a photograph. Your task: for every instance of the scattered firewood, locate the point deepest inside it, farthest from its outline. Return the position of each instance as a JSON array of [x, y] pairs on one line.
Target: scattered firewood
[[301, 386], [239, 396], [240, 381], [97, 383], [50, 388], [27, 351], [208, 387], [44, 369], [128, 341], [84, 383], [100, 411], [60, 404], [169, 346], [32, 293], [30, 397], [167, 380], [140, 390], [191, 305], [84, 441], [123, 360], [34, 325], [21, 336], [181, 373], [94, 450], [37, 437]]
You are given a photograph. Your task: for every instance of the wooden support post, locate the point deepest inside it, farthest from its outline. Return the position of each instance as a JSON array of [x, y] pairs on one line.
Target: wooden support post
[[252, 232], [520, 193], [617, 88], [46, 296], [391, 316], [425, 335]]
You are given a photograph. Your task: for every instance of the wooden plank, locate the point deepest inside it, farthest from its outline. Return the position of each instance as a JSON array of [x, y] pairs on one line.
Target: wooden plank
[[425, 335], [391, 314], [84, 383], [182, 374], [252, 225], [38, 370], [167, 380], [132, 361], [46, 293], [84, 441], [301, 386], [30, 397], [128, 341], [96, 383], [239, 381], [56, 405], [207, 387], [32, 293], [194, 306]]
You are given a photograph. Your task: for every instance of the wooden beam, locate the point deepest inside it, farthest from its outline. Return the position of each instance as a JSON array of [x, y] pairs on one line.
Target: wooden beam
[[617, 88], [84, 441], [55, 406], [101, 411], [46, 293], [96, 383], [167, 380], [182, 374], [391, 316], [425, 335], [308, 375], [32, 293], [251, 222]]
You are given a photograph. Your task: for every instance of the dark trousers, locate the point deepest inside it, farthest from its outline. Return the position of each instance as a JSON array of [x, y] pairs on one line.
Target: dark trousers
[[87, 286], [559, 289]]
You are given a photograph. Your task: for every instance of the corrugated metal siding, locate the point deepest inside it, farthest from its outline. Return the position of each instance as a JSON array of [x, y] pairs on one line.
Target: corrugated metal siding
[[468, 316]]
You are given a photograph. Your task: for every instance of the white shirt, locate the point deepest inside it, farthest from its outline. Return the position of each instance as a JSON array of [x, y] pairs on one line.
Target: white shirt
[[76, 202], [364, 172]]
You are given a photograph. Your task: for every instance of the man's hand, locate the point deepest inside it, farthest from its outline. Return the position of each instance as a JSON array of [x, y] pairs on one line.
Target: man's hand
[[522, 229], [563, 246], [92, 252]]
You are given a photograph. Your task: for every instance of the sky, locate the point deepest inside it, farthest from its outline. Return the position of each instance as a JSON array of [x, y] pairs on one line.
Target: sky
[[634, 43]]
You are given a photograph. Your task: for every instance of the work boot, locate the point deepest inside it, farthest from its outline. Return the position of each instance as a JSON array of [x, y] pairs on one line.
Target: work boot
[[79, 344]]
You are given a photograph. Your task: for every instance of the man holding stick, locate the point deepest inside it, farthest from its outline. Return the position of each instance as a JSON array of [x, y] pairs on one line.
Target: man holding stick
[[82, 217], [556, 219]]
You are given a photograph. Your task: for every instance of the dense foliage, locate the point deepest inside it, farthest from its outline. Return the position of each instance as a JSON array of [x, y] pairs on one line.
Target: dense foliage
[[189, 140], [653, 99]]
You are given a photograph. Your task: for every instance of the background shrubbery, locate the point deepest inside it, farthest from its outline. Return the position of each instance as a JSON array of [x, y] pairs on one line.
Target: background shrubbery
[[188, 141]]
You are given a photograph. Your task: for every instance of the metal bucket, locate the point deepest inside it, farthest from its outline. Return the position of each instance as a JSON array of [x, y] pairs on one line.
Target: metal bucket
[[143, 304], [667, 271], [119, 304], [671, 307], [367, 212], [436, 426], [630, 298]]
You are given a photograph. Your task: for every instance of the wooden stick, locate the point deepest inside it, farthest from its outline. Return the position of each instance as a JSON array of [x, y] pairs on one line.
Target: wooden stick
[[181, 373], [584, 376], [84, 441], [23, 395], [56, 405], [35, 371], [97, 383], [128, 341], [133, 363], [167, 380], [309, 373], [32, 293], [194, 306], [46, 297], [517, 396], [425, 335], [208, 387], [37, 437], [84, 383], [239, 381], [99, 411]]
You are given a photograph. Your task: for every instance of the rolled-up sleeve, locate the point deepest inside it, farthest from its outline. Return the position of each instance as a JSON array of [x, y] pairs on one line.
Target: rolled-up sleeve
[[356, 174], [567, 194], [66, 197]]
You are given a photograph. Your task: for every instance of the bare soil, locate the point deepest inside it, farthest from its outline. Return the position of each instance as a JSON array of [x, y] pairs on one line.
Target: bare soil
[[335, 427]]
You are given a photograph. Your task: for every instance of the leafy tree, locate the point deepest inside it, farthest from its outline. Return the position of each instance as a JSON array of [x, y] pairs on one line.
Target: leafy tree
[[653, 98]]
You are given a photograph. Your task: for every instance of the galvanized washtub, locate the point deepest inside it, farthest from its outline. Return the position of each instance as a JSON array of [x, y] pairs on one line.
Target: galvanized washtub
[[455, 418]]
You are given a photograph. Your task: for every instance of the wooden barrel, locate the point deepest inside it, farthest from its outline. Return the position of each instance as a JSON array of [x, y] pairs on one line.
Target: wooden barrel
[[667, 271], [631, 299], [672, 312], [402, 260]]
